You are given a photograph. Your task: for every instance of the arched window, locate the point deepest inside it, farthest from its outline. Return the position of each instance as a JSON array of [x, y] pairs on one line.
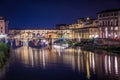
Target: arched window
[[116, 22], [111, 23], [108, 23], [103, 23]]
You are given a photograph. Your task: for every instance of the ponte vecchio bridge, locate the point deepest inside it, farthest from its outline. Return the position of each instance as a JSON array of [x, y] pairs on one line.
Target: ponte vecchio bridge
[[42, 33]]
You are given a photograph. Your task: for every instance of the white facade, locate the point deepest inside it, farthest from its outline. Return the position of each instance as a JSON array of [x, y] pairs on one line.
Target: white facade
[[109, 24]]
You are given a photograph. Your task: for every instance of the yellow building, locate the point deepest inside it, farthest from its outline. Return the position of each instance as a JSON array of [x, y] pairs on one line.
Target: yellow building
[[87, 29]]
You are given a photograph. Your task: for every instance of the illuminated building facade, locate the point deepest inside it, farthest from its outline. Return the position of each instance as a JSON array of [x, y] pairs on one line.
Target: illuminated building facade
[[109, 24], [87, 29], [3, 26]]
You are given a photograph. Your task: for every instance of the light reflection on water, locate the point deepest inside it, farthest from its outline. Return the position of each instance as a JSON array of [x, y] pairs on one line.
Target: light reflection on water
[[98, 63]]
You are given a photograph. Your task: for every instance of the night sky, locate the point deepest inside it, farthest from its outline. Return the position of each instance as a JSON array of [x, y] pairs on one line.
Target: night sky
[[47, 13]]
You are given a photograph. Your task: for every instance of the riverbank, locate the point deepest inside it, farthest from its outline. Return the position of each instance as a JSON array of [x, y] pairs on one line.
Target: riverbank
[[4, 53], [91, 46]]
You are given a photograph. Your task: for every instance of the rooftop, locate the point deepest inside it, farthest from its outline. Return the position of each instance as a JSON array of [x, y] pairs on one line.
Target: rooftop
[[35, 28], [1, 18], [110, 10]]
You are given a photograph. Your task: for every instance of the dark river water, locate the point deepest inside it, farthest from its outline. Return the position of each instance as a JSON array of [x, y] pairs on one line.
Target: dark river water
[[60, 64]]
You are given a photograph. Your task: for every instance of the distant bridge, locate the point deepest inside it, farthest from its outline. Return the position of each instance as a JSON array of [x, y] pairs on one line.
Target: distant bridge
[[43, 33]]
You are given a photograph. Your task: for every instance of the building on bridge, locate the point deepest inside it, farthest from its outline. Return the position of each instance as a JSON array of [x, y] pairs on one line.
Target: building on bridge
[[40, 33]]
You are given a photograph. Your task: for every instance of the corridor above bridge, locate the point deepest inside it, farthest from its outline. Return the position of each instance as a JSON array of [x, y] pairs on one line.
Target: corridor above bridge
[[43, 33]]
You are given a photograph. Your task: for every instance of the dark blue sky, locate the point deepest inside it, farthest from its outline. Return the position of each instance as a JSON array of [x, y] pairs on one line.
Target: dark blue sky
[[47, 13]]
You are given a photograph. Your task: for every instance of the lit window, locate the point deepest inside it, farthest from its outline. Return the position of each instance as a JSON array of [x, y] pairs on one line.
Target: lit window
[[116, 28], [111, 28], [106, 29], [109, 35], [115, 35]]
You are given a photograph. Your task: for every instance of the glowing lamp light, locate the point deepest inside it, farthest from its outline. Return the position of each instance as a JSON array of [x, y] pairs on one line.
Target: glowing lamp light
[[109, 35], [90, 36], [96, 36], [59, 47], [3, 36], [44, 41]]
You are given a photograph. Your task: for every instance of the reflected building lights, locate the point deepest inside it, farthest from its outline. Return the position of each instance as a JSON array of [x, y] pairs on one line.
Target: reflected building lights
[[116, 65], [79, 50], [106, 64], [90, 60], [32, 60], [73, 63], [76, 59], [43, 59], [87, 67], [59, 52], [93, 61], [109, 64]]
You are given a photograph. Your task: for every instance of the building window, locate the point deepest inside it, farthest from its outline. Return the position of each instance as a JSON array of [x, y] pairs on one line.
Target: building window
[[116, 22], [108, 23], [111, 34], [111, 28], [116, 28], [1, 29], [103, 35], [100, 16], [111, 23], [103, 15], [115, 35], [107, 15], [100, 24], [106, 29], [115, 14], [111, 14], [106, 34], [103, 23]]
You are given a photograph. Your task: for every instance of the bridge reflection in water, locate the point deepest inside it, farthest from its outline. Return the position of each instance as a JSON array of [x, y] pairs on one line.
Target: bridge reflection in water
[[99, 64]]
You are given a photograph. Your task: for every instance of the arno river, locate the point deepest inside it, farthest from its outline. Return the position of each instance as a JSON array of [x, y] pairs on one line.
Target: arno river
[[60, 64]]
